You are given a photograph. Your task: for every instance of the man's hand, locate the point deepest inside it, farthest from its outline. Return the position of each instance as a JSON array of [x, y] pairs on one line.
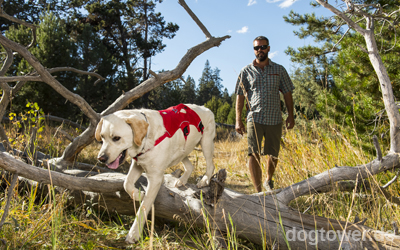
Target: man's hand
[[289, 105], [290, 122], [239, 127]]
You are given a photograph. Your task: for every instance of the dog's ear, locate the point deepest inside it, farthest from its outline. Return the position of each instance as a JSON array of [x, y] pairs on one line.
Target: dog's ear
[[139, 128], [98, 130]]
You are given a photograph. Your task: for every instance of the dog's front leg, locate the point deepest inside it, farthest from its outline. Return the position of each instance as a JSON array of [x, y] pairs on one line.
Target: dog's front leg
[[154, 184], [134, 173]]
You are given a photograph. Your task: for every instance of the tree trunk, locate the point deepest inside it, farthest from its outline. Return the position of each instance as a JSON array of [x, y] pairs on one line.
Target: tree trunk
[[387, 90]]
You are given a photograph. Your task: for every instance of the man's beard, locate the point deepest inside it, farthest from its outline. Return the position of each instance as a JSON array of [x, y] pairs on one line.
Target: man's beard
[[262, 56]]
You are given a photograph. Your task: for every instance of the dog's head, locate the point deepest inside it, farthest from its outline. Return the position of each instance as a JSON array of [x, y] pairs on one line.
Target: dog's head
[[118, 135]]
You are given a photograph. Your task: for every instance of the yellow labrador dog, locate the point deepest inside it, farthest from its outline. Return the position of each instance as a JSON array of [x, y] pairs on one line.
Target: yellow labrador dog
[[155, 140]]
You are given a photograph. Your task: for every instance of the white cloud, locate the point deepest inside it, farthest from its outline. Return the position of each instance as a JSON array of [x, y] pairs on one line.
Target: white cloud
[[243, 30], [287, 3], [284, 4], [272, 55], [251, 2]]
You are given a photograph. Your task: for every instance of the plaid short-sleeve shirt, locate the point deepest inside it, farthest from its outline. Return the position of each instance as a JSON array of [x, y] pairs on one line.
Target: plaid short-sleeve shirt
[[262, 87]]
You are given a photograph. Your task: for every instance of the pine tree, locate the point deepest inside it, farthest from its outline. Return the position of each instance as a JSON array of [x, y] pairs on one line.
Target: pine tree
[[189, 91], [209, 84], [131, 30], [348, 88]]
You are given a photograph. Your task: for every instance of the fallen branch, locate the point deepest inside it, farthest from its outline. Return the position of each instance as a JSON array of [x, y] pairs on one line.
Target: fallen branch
[[65, 121], [331, 176], [256, 218], [102, 184]]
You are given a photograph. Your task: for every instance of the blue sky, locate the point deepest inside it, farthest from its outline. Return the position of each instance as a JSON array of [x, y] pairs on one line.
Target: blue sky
[[243, 20]]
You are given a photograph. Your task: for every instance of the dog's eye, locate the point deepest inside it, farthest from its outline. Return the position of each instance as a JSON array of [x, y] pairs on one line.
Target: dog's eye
[[116, 138]]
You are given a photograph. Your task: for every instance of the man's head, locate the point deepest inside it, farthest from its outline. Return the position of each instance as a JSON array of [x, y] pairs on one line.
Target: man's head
[[261, 48]]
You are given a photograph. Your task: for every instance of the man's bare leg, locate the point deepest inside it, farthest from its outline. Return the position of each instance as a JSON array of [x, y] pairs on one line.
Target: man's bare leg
[[271, 166], [272, 162], [255, 171]]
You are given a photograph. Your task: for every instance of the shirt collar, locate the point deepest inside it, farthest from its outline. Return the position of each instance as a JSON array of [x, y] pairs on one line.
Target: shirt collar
[[255, 64]]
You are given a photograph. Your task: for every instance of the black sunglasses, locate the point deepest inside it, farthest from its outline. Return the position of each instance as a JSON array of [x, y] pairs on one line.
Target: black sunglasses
[[262, 47]]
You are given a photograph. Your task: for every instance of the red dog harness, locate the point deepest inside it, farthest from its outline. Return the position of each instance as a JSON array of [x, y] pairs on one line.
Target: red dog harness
[[175, 118]]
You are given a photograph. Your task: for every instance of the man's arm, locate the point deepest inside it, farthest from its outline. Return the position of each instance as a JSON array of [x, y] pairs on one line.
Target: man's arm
[[289, 106], [239, 126]]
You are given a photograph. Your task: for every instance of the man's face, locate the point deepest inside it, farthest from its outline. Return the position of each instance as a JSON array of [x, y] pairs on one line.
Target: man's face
[[261, 54]]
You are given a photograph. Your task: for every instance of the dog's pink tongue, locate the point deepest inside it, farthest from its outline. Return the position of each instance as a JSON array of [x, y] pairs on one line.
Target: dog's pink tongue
[[114, 164]]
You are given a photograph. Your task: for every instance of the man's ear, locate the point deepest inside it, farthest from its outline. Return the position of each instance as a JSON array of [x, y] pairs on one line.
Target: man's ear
[[139, 128], [98, 130]]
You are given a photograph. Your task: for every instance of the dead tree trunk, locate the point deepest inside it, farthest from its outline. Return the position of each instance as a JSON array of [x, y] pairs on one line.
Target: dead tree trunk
[[259, 218]]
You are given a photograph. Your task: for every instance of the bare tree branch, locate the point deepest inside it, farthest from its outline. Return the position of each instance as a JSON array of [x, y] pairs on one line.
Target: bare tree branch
[[164, 77], [63, 133], [21, 78], [65, 121], [327, 178], [345, 33], [6, 97], [194, 17], [377, 147], [50, 80], [16, 20], [350, 22], [34, 78], [391, 181], [9, 197], [13, 165], [7, 64]]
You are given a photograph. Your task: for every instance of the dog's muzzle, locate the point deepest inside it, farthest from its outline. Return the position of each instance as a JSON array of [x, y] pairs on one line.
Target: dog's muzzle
[[113, 165]]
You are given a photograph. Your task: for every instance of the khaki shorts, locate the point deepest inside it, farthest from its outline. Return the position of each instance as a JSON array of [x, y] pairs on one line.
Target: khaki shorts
[[272, 134]]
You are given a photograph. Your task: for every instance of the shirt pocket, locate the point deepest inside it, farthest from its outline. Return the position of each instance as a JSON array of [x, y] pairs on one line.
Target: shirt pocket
[[273, 83]]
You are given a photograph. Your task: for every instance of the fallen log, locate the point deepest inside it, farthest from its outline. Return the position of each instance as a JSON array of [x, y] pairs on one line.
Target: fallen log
[[262, 219]]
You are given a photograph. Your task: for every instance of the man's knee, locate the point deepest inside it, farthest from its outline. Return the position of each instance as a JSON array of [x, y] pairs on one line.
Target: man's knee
[[255, 156]]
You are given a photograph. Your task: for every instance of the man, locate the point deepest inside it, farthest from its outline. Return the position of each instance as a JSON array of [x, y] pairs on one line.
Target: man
[[260, 83]]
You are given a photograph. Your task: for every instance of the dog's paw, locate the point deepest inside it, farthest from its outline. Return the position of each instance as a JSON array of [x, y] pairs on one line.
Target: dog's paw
[[204, 182], [179, 183], [132, 239]]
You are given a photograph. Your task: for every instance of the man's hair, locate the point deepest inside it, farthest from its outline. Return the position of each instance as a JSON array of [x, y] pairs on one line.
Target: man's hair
[[261, 38]]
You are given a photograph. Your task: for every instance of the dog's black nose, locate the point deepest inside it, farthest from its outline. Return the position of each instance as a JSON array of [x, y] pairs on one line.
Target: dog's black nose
[[102, 158]]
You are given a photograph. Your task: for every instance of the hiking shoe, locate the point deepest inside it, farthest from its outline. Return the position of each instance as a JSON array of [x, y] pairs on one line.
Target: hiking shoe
[[269, 185]]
